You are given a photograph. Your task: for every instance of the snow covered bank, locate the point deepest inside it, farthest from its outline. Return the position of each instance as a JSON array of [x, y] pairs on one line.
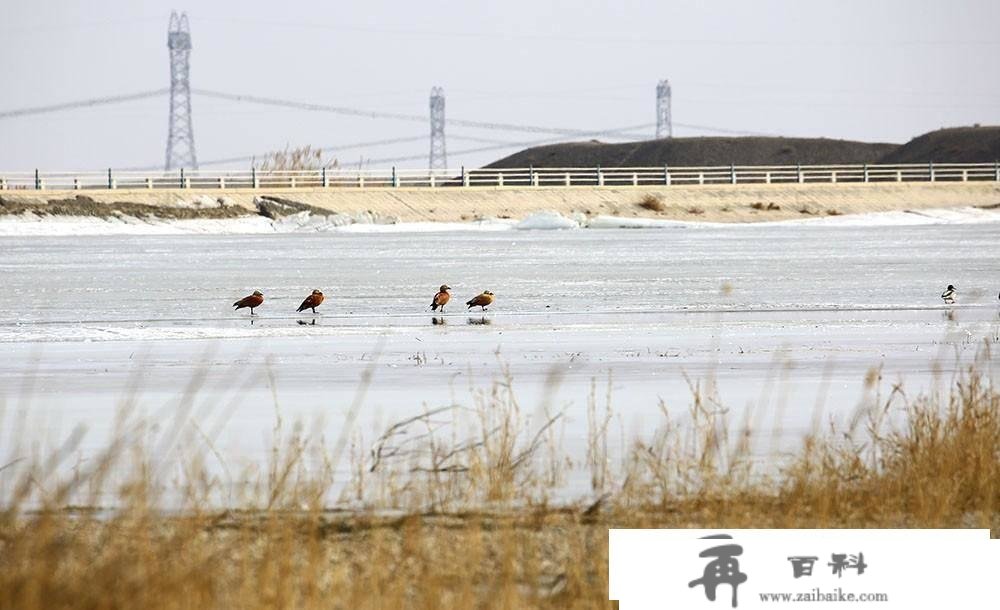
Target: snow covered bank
[[30, 224]]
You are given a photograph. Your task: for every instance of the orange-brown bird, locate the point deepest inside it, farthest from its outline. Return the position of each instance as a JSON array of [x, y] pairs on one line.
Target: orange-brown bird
[[482, 300], [441, 298], [312, 301], [254, 300]]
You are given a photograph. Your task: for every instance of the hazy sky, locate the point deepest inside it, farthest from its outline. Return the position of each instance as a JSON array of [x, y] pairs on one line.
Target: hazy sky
[[867, 69]]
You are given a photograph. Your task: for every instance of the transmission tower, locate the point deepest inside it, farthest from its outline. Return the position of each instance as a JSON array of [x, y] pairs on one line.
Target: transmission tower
[[439, 158], [664, 126], [180, 137]]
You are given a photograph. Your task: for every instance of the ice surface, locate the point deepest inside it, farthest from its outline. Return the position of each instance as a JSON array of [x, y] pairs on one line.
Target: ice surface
[[782, 317]]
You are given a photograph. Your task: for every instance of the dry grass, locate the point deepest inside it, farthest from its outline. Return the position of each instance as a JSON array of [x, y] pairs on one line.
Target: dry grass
[[652, 202], [295, 159], [454, 508]]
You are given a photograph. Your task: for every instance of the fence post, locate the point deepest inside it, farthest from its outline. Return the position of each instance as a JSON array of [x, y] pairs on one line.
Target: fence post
[[864, 172], [149, 183], [465, 177], [3, 184], [430, 176], [600, 176], [38, 181], [222, 182], [500, 178], [182, 177], [996, 171], [326, 182], [253, 176], [732, 173], [798, 171], [666, 175], [395, 178], [899, 175], [567, 179]]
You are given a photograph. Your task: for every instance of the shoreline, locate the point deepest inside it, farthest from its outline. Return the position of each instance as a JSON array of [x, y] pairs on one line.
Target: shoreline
[[743, 203], [33, 224]]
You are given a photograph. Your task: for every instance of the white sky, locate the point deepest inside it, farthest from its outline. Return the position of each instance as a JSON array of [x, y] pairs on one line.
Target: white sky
[[871, 70]]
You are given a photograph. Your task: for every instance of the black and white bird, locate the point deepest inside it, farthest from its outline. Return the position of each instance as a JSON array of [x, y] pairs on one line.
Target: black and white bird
[[949, 294]]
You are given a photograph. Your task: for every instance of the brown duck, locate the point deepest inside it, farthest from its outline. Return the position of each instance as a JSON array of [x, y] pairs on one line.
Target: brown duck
[[252, 301], [483, 300], [312, 301], [441, 298]]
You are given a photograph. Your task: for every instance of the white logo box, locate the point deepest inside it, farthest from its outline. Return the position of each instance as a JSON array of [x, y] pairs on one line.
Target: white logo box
[[886, 569]]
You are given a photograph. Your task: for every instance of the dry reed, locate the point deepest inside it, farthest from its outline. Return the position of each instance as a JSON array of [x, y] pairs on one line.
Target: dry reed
[[454, 507]]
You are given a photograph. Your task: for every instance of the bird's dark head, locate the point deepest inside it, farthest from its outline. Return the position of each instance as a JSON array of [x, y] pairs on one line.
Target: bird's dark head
[[317, 293], [488, 292], [445, 287], [258, 293], [950, 287]]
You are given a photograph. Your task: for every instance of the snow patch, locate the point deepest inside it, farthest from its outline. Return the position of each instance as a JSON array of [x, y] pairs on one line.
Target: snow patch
[[547, 220], [937, 216], [29, 224], [615, 222]]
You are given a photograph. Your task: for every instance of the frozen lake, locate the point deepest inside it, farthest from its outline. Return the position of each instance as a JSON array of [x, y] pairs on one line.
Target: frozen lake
[[785, 319]]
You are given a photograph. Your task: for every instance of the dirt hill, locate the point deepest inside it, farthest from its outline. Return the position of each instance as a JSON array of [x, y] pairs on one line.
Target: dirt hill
[[698, 151], [956, 145]]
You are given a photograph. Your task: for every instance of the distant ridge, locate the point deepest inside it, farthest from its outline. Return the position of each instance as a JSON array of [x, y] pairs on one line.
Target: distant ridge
[[958, 145], [952, 145]]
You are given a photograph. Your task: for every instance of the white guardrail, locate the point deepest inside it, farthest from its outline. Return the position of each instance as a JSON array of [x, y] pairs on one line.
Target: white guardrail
[[515, 177]]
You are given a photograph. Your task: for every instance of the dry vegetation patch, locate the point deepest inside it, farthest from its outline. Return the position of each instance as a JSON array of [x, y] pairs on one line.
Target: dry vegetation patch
[[81, 205], [652, 202], [454, 507]]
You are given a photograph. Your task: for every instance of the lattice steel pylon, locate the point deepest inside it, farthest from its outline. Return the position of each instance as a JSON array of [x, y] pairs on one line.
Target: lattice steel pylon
[[439, 155], [664, 127], [180, 137]]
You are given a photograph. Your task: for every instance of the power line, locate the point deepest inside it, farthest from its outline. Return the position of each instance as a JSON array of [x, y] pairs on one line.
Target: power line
[[496, 145], [735, 132], [374, 114], [97, 101], [480, 148], [128, 97], [356, 145]]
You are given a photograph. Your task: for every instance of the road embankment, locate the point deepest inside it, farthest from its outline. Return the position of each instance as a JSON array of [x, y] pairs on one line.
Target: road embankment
[[708, 203]]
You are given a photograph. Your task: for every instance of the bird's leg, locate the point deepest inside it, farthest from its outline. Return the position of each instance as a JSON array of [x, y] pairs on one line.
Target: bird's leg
[[251, 311], [314, 311]]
